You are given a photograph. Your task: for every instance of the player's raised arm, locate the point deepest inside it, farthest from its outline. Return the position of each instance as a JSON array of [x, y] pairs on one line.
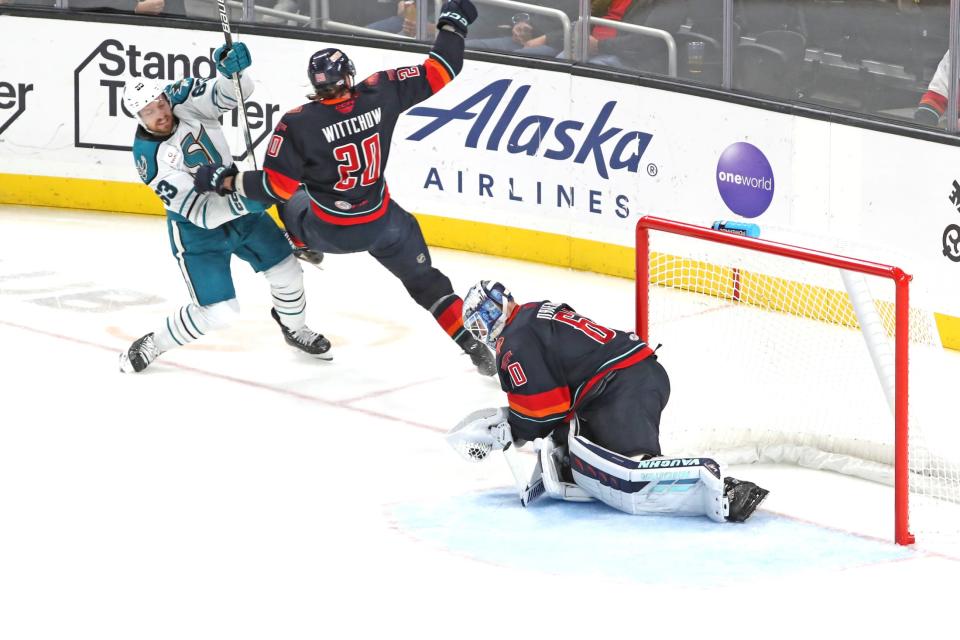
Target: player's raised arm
[[209, 99], [443, 63]]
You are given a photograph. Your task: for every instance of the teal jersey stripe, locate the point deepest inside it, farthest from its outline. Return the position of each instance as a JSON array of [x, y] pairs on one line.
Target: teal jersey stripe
[[439, 58], [185, 200], [170, 331], [603, 366], [555, 417], [352, 213], [192, 323], [266, 187]]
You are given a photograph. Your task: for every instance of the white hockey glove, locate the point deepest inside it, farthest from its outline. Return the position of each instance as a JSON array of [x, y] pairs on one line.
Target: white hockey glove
[[480, 433]]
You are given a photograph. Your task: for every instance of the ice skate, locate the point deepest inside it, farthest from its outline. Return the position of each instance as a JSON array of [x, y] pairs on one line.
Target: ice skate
[[304, 339], [138, 357]]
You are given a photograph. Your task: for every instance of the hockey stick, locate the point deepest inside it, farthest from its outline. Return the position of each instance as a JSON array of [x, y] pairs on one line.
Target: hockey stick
[[225, 23], [244, 125], [529, 491]]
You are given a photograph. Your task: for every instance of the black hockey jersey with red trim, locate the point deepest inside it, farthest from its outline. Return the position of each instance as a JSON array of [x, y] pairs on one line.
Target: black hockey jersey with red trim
[[338, 149], [550, 360]]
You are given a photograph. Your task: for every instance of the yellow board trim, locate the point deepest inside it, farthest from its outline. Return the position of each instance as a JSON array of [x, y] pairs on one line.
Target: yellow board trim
[[465, 235]]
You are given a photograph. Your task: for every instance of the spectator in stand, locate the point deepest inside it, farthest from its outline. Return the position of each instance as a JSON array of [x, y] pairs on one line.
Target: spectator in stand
[[146, 7], [403, 23], [523, 33], [606, 9], [607, 46], [933, 103]]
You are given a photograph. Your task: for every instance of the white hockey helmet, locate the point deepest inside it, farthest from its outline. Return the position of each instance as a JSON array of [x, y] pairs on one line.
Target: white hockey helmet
[[139, 92], [483, 313]]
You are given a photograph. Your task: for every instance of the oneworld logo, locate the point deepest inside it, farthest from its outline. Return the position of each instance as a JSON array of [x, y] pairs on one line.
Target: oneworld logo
[[610, 148], [745, 179]]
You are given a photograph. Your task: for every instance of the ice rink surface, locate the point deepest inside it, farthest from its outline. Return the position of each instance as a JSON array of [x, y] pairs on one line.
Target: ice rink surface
[[237, 489]]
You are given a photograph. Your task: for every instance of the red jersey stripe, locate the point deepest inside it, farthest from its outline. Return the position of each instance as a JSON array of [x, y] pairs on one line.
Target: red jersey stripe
[[346, 221], [934, 100], [452, 318], [437, 75], [538, 405], [281, 184], [643, 354]]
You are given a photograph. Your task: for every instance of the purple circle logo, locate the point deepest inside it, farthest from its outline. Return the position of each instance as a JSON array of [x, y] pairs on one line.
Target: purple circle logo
[[745, 179]]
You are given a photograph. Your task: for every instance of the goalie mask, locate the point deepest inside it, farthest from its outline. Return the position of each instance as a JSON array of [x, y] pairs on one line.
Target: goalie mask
[[483, 313], [140, 92], [330, 71]]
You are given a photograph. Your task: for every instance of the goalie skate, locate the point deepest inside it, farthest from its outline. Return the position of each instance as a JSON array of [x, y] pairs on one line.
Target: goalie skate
[[304, 339], [141, 353], [743, 498]]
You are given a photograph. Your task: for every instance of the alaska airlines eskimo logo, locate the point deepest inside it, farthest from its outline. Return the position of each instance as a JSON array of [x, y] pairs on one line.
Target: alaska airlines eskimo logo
[[12, 97], [610, 148]]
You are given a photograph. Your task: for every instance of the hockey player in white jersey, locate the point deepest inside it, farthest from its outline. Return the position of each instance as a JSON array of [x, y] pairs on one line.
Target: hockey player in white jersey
[[179, 132], [589, 397]]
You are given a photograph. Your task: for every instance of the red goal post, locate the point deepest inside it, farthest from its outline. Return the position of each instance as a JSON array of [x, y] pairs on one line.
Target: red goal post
[[901, 319]]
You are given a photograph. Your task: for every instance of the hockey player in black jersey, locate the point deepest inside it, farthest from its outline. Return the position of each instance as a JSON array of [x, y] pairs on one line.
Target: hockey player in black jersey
[[324, 166], [590, 397]]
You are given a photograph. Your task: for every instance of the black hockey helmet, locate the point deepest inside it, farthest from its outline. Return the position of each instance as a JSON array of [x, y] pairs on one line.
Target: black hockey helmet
[[329, 72]]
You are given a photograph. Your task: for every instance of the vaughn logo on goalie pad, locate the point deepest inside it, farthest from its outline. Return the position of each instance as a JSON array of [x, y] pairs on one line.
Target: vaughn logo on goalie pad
[[675, 462]]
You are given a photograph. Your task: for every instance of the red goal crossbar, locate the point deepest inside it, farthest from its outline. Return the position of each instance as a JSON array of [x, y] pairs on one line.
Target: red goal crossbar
[[901, 281]]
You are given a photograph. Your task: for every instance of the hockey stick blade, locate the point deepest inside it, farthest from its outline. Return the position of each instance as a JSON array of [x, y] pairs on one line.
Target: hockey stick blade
[[534, 491]]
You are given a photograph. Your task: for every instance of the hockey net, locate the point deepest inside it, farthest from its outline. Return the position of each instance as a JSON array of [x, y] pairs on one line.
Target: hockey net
[[782, 354]]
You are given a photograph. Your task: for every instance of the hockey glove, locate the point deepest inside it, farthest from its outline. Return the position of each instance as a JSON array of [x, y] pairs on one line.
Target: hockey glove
[[459, 14], [210, 177], [233, 60], [309, 255], [301, 251], [480, 433]]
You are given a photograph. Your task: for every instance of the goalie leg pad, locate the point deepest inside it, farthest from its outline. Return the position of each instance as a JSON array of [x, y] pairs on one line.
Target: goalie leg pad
[[551, 457], [657, 486]]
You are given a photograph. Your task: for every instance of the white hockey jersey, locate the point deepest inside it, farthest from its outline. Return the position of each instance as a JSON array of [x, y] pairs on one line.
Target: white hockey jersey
[[167, 163]]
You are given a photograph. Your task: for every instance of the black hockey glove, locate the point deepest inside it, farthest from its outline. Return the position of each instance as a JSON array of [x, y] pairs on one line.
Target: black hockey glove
[[309, 255], [210, 177], [302, 252], [459, 14]]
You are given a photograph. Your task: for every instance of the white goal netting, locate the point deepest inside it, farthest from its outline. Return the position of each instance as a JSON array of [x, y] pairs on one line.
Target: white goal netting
[[773, 351]]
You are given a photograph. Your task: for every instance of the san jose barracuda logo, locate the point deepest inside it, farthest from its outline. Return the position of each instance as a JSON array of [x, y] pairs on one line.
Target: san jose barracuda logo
[[611, 148], [142, 167]]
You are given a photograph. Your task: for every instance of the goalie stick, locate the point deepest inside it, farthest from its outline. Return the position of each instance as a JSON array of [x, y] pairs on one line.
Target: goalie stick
[[529, 491]]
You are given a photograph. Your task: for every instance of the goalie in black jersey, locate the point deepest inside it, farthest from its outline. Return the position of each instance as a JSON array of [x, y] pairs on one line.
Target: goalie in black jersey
[[324, 167], [590, 398]]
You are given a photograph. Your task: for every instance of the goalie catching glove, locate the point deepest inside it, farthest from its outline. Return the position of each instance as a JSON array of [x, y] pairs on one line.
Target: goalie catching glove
[[480, 433]]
